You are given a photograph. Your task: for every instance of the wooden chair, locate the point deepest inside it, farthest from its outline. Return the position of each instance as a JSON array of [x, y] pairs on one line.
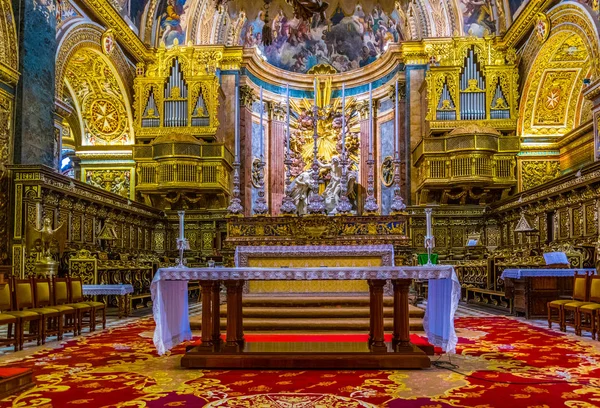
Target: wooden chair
[[580, 283], [9, 319], [25, 301], [77, 293], [571, 307], [76, 302], [588, 315], [60, 298], [53, 321], [34, 320]]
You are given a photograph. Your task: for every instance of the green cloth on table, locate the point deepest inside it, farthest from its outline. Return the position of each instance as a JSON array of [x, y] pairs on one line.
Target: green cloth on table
[[422, 259]]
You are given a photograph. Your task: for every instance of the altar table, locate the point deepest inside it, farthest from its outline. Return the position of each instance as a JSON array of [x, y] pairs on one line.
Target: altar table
[[170, 307], [532, 289]]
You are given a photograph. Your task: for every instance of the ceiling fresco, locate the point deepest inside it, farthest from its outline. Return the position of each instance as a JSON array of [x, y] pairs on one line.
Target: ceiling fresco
[[132, 10], [296, 35]]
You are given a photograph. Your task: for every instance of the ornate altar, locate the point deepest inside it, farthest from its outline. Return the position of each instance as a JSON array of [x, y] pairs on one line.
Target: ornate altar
[[322, 232]]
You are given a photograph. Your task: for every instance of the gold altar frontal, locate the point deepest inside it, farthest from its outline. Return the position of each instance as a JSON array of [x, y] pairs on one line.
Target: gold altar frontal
[[316, 285]]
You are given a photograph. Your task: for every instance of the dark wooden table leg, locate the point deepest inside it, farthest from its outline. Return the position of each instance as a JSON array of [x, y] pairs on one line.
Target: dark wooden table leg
[[216, 313], [371, 302], [401, 336], [240, 314], [376, 311], [231, 343], [207, 325]]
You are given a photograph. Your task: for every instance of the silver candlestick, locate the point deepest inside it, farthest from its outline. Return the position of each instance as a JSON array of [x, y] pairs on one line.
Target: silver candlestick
[[235, 206], [397, 202], [182, 243], [371, 205], [429, 238], [344, 206], [316, 204]]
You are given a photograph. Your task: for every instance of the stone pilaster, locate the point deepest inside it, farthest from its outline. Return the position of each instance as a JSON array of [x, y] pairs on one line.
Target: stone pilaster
[[35, 137]]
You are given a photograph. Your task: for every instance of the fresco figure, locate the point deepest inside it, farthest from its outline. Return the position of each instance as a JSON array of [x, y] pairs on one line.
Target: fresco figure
[[171, 23], [308, 38]]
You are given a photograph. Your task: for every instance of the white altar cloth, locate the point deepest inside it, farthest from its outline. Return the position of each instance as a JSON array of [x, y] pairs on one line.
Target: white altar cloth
[[170, 298], [529, 273], [117, 290]]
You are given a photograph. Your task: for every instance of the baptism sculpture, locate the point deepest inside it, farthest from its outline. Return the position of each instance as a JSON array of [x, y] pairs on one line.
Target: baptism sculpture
[[300, 187]]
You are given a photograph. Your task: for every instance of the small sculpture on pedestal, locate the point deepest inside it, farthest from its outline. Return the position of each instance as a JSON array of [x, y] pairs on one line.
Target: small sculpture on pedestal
[[46, 265], [429, 238]]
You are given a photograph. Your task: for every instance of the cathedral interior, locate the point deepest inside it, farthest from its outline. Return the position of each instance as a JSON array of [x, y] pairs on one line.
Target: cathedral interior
[[139, 134]]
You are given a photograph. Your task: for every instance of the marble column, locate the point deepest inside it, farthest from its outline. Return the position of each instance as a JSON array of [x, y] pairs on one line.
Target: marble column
[[35, 141], [364, 152], [275, 158]]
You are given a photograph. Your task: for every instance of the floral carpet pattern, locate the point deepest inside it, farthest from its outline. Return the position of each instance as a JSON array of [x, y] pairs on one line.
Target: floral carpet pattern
[[509, 363]]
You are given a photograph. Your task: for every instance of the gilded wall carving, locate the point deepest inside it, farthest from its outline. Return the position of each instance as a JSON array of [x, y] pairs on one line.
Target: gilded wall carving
[[6, 110], [113, 180], [101, 98], [537, 172], [9, 55], [552, 95]]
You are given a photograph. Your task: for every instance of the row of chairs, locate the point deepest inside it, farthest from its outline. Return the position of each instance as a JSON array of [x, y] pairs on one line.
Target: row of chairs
[[582, 312], [48, 308]]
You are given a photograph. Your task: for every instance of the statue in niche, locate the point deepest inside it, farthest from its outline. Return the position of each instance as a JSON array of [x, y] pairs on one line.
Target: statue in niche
[[387, 171]]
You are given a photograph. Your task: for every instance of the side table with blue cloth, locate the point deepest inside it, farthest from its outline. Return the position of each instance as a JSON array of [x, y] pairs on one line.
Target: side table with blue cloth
[[422, 285], [121, 292]]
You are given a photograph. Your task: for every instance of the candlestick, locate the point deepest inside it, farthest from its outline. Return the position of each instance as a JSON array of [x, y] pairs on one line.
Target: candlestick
[[261, 122], [181, 224], [343, 117], [287, 96], [371, 206], [370, 119], [235, 205], [182, 243], [38, 215], [316, 203], [343, 205], [288, 207], [396, 127], [429, 239]]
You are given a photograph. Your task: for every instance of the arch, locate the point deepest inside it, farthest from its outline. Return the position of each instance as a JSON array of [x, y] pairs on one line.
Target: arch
[[89, 35], [9, 54], [96, 89], [552, 99]]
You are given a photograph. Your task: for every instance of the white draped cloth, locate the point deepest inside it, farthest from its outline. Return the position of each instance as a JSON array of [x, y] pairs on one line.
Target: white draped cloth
[[170, 297]]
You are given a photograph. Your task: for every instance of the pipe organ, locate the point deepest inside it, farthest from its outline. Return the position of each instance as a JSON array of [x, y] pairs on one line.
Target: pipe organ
[[469, 152], [180, 161], [470, 80]]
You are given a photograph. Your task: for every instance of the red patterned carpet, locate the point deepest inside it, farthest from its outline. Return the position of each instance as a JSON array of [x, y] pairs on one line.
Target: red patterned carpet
[[509, 363]]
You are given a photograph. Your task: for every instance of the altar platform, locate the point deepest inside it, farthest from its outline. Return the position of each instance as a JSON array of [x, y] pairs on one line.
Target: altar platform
[[173, 327]]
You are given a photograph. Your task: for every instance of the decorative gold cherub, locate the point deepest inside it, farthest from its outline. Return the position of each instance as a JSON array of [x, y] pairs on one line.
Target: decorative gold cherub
[[47, 235]]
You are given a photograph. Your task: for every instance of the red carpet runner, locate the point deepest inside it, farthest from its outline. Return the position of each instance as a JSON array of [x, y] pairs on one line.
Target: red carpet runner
[[510, 364]]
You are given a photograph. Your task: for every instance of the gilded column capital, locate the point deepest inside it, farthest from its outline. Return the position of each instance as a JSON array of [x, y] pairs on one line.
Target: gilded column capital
[[247, 96]]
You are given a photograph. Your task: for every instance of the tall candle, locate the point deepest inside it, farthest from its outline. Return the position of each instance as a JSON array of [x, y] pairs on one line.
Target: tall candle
[[287, 141], [261, 122], [237, 119], [316, 91], [343, 118], [38, 215], [181, 232], [396, 115], [370, 120], [428, 221]]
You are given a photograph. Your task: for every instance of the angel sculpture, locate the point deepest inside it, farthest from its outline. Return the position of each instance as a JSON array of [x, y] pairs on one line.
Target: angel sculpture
[[48, 235]]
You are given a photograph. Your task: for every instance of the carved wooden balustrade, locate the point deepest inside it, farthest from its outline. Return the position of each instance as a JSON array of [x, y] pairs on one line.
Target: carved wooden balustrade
[[81, 211]]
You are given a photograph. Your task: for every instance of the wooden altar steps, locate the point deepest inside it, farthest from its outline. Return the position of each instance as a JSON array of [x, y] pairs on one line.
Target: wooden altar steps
[[312, 314]]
